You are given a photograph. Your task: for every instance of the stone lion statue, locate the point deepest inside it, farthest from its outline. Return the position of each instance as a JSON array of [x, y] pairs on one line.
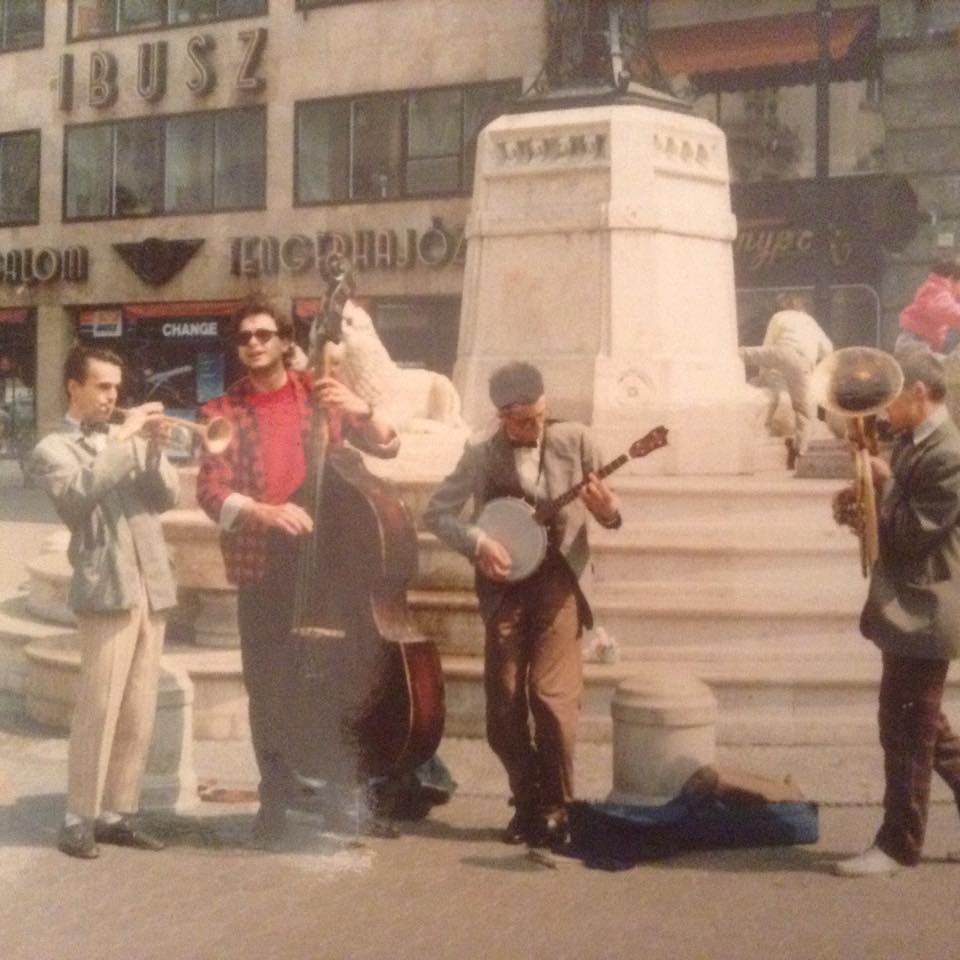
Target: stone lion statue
[[417, 401]]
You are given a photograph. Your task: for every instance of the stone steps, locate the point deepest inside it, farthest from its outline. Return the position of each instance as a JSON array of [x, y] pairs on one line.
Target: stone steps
[[763, 697], [643, 614], [721, 553]]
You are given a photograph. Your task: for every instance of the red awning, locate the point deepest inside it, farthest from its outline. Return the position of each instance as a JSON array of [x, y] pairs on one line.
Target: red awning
[[783, 48], [187, 308], [14, 315]]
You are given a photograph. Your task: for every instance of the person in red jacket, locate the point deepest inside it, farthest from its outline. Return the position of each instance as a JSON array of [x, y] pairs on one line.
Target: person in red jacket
[[934, 311], [249, 491]]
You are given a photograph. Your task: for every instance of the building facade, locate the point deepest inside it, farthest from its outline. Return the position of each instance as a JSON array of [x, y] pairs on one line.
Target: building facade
[[162, 159]]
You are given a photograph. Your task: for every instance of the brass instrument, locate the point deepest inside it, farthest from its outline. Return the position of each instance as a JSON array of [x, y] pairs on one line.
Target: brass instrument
[[857, 383], [215, 435]]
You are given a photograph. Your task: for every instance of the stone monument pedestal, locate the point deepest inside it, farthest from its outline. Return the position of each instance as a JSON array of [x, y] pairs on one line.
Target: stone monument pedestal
[[601, 250]]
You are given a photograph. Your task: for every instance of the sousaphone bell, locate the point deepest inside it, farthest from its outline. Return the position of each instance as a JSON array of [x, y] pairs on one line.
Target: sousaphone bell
[[857, 383]]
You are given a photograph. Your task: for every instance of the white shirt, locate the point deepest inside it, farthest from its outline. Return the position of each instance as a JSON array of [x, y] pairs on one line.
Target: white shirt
[[527, 461], [798, 330], [923, 430]]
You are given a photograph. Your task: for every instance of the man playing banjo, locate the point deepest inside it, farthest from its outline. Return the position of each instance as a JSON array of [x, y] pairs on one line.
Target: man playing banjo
[[532, 662]]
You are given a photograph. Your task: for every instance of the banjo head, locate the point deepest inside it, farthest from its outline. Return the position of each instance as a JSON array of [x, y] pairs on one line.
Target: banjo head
[[511, 521]]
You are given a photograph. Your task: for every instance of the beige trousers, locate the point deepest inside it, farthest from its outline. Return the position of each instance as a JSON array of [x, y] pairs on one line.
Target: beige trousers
[[116, 705]]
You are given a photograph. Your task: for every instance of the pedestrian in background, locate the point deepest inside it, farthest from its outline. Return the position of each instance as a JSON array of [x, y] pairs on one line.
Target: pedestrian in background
[[931, 320], [794, 343]]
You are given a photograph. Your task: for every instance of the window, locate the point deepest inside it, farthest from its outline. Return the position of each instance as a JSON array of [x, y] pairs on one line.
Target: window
[[771, 132], [192, 163], [20, 177], [21, 24], [314, 4], [386, 146], [98, 18]]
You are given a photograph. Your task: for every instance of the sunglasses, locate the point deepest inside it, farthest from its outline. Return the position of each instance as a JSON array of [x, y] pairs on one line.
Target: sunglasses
[[243, 338]]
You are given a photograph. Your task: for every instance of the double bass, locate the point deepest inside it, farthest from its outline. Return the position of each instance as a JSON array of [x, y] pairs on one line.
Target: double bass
[[351, 578]]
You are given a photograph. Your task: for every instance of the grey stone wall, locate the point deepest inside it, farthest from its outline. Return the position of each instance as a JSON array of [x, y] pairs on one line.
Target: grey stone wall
[[921, 109]]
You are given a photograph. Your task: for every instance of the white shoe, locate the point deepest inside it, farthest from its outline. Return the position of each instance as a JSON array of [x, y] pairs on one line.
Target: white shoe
[[872, 863]]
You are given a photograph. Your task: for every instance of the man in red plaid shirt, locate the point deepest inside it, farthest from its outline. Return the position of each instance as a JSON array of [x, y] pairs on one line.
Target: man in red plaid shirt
[[249, 490]]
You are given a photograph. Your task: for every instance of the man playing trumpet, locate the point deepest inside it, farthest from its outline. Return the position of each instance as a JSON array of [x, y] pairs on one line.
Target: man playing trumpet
[[109, 484], [912, 612]]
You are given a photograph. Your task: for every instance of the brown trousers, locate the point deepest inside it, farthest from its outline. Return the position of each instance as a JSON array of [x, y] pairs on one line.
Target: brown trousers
[[533, 669], [916, 740]]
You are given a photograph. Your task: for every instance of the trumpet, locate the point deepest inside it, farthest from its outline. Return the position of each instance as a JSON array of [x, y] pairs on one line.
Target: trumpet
[[215, 435], [857, 383]]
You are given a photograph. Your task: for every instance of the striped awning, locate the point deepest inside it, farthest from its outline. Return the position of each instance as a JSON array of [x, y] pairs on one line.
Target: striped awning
[[767, 51]]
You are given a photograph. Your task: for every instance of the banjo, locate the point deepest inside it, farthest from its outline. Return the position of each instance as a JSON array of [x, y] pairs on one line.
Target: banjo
[[522, 529]]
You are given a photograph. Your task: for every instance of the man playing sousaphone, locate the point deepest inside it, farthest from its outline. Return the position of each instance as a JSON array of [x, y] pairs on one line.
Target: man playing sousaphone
[[912, 612], [532, 662]]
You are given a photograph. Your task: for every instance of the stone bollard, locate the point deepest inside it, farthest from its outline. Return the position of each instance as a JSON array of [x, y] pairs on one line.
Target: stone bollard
[[664, 728], [170, 780]]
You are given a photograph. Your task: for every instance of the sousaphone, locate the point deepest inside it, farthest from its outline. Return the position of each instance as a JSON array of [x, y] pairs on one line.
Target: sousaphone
[[857, 383]]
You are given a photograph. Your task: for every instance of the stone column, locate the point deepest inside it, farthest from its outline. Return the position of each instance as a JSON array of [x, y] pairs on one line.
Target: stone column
[[600, 249], [54, 336]]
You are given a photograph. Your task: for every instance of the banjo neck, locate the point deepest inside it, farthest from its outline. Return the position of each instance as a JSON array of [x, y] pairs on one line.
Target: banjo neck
[[558, 503]]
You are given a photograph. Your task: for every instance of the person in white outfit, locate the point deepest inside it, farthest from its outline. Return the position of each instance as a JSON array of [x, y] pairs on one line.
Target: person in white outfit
[[793, 345]]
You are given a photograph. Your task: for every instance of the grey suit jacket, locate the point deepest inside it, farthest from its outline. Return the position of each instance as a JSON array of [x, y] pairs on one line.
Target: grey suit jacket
[[111, 502], [913, 606], [487, 469]]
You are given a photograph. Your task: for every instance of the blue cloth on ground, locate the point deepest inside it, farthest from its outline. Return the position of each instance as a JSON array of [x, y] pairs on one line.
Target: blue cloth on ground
[[619, 836]]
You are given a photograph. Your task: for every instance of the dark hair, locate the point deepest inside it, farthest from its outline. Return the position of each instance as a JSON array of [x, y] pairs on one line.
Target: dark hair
[[75, 367], [515, 383], [793, 301], [257, 303], [947, 268], [921, 366]]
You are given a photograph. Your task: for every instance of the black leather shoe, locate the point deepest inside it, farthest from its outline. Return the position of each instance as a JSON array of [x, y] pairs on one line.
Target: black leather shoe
[[269, 826], [553, 831], [123, 833], [77, 840], [518, 830]]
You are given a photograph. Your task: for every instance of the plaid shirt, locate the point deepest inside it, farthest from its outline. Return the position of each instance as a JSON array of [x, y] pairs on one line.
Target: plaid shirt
[[240, 469]]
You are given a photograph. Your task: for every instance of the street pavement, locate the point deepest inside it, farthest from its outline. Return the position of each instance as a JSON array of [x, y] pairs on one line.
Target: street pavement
[[447, 888]]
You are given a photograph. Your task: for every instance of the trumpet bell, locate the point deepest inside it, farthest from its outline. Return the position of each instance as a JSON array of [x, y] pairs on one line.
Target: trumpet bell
[[856, 381], [217, 436]]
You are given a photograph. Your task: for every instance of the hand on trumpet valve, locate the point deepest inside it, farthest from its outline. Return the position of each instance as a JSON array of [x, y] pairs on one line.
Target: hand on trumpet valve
[[846, 509], [147, 419]]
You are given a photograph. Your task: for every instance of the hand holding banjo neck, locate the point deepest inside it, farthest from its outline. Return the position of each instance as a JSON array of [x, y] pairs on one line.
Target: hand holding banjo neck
[[653, 440]]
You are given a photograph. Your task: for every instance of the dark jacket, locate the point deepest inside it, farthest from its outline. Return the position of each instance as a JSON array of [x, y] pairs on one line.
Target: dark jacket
[[487, 469], [913, 607]]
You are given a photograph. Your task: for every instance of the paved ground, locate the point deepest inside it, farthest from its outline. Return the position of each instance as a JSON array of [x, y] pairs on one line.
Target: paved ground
[[446, 889]]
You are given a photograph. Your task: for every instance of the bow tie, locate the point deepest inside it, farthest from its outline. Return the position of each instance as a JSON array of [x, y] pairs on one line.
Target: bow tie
[[98, 427], [523, 444]]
